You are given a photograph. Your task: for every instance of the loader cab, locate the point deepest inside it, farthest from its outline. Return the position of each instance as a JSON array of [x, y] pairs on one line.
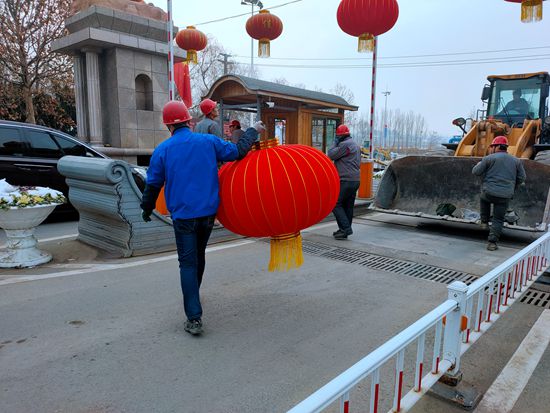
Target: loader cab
[[515, 98]]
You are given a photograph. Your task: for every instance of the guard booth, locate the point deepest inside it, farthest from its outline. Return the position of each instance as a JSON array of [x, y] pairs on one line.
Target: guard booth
[[292, 115]]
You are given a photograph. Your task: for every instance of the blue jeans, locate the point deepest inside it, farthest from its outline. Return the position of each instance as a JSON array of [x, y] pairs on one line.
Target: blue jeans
[[191, 238], [343, 211]]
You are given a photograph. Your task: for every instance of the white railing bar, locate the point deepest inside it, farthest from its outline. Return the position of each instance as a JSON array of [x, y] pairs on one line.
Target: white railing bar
[[398, 390], [482, 282], [374, 391], [437, 347], [413, 396], [419, 362], [349, 378]]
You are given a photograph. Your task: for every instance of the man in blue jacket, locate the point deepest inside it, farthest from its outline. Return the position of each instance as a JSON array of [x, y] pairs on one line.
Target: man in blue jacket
[[502, 173], [187, 166]]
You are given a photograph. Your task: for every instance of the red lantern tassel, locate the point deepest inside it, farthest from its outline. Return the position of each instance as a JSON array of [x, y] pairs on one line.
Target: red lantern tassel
[[192, 57], [531, 11], [263, 48], [286, 252], [366, 43]]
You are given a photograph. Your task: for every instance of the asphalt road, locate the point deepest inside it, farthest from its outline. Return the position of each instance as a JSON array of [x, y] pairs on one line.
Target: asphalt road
[[112, 340]]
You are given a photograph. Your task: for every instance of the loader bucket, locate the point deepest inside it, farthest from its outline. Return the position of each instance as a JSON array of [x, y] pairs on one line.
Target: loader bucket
[[418, 185]]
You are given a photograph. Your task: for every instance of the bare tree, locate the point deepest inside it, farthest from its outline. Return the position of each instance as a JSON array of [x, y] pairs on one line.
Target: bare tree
[[28, 29], [209, 68]]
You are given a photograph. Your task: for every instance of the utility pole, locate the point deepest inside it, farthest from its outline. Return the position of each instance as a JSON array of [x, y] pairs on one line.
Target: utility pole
[[225, 62], [386, 93]]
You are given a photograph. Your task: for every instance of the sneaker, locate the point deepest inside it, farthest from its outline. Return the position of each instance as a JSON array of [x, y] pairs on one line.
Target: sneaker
[[193, 327], [484, 226], [340, 231], [492, 246], [341, 235]]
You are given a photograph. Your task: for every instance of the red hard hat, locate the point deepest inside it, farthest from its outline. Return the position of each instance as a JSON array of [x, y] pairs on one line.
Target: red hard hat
[[207, 106], [342, 130], [175, 112], [235, 123], [500, 140]]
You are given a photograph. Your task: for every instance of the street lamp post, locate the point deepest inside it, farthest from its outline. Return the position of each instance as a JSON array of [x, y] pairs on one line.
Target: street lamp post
[[170, 52], [386, 94], [261, 6]]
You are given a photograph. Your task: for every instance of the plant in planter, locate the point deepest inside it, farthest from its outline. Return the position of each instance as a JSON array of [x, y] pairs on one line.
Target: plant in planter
[[22, 209]]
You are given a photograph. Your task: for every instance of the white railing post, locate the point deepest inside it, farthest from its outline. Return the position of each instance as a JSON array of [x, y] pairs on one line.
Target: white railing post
[[452, 339]]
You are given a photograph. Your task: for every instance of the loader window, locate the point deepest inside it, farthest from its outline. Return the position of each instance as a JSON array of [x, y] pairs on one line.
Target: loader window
[[513, 101]]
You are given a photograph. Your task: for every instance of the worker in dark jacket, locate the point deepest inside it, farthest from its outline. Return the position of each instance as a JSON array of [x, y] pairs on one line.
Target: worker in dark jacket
[[209, 124], [346, 155], [502, 173], [186, 165]]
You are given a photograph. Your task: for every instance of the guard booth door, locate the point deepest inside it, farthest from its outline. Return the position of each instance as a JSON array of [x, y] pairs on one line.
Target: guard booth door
[[323, 133]]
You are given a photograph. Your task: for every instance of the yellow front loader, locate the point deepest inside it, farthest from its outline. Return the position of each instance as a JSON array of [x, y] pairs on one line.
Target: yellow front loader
[[443, 187]]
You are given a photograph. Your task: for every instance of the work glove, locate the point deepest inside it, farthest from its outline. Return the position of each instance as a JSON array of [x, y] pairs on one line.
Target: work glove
[[146, 215], [259, 126]]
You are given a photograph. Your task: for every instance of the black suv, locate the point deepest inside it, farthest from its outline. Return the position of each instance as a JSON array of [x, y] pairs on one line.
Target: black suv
[[29, 155]]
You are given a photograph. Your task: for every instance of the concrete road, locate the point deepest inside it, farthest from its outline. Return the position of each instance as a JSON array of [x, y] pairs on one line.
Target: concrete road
[[111, 339]]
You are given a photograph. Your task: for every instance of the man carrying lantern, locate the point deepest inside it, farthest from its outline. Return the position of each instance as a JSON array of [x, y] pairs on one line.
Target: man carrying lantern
[[187, 166], [346, 155], [209, 109]]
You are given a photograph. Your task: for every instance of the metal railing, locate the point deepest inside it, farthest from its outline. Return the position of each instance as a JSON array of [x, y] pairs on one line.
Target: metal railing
[[456, 324]]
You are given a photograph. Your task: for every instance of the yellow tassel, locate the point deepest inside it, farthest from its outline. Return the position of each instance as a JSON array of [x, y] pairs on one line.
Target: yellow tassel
[[531, 11], [264, 49], [366, 43], [192, 56], [286, 252]]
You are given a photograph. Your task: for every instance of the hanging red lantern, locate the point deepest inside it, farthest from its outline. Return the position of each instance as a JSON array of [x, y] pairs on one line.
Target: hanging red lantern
[[192, 41], [367, 19], [264, 27], [531, 10], [277, 191]]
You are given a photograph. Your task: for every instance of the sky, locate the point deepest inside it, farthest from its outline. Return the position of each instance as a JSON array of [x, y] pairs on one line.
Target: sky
[[440, 91]]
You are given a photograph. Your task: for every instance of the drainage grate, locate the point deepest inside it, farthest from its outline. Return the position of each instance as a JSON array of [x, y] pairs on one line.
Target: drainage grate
[[378, 262], [536, 298]]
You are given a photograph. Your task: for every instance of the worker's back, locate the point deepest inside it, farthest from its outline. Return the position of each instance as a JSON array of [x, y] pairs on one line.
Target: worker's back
[[501, 173]]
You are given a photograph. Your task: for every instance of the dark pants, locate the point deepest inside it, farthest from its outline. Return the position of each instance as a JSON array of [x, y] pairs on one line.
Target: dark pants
[[500, 205], [343, 211], [191, 239]]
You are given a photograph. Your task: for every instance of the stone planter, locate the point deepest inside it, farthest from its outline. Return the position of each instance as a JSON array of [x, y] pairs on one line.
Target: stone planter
[[19, 224]]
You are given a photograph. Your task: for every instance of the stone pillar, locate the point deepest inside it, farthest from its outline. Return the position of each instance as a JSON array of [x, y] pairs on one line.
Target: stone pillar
[[94, 97], [80, 98]]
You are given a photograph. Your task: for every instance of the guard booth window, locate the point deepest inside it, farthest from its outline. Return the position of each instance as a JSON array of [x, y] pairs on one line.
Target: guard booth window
[[144, 93], [323, 133]]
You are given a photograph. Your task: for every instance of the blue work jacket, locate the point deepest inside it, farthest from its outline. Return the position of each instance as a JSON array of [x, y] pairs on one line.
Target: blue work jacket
[[187, 166]]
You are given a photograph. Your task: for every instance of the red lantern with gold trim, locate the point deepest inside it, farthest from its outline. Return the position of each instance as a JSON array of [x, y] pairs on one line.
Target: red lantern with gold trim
[[367, 19], [531, 10], [192, 41], [277, 191], [264, 27]]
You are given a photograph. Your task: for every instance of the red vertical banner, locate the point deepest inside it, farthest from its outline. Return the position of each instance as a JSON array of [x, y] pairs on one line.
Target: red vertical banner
[[183, 83]]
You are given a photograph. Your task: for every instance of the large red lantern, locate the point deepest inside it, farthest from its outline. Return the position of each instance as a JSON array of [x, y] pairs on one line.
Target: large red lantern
[[367, 19], [531, 10], [277, 191], [264, 27], [192, 41]]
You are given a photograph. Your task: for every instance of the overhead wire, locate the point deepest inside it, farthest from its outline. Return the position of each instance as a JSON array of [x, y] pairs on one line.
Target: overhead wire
[[405, 56], [469, 62], [244, 14]]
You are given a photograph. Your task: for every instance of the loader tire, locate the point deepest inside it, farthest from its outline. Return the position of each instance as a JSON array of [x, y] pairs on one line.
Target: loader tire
[[543, 157], [439, 152]]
